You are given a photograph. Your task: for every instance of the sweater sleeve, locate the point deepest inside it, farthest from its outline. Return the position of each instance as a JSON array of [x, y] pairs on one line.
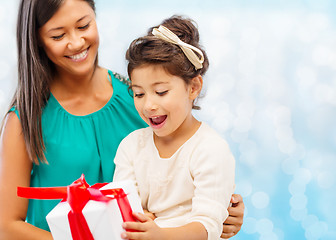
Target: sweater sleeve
[[213, 172], [124, 161]]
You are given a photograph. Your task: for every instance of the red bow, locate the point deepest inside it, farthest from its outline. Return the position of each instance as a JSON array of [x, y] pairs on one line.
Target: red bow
[[77, 195]]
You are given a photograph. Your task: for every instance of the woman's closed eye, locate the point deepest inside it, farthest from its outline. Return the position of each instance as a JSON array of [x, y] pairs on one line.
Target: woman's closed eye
[[58, 37], [84, 27], [162, 93]]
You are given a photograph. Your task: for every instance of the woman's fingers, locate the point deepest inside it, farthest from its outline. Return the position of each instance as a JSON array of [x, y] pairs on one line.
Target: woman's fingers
[[234, 221], [236, 199], [227, 235]]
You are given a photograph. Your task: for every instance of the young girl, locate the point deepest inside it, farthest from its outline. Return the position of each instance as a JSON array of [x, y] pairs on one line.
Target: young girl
[[183, 169]]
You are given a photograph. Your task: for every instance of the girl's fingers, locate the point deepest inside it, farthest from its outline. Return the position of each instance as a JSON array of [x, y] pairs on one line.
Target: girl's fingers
[[141, 217], [149, 214], [135, 226], [133, 235]]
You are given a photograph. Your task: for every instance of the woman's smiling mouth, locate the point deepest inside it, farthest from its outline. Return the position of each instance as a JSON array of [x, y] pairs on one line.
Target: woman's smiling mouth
[[79, 57]]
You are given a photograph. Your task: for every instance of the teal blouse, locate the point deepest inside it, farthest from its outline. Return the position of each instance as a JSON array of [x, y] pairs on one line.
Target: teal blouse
[[81, 144]]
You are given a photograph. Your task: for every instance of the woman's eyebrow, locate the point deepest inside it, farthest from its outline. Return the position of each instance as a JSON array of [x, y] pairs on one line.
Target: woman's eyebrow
[[58, 28], [82, 18]]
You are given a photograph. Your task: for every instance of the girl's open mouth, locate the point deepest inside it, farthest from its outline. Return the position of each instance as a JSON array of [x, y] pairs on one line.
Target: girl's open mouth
[[157, 121]]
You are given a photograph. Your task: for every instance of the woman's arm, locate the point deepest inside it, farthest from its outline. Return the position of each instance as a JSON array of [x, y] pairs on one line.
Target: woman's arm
[[15, 170], [233, 223]]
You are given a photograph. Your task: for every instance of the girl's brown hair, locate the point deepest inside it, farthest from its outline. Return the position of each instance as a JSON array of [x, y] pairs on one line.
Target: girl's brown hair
[[149, 50], [35, 71]]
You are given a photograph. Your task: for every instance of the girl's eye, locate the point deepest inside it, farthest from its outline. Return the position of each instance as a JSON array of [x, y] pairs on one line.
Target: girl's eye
[[162, 93], [84, 27], [59, 37], [138, 95]]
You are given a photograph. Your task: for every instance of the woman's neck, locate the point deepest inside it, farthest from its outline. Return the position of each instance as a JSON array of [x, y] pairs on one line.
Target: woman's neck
[[82, 95], [67, 84]]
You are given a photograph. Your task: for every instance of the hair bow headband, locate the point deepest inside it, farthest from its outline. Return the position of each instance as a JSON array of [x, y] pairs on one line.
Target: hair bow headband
[[165, 34]]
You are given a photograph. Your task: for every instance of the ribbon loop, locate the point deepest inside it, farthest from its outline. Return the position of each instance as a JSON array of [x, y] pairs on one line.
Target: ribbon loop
[[189, 50]]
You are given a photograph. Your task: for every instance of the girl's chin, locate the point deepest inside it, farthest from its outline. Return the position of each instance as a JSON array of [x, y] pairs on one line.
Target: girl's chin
[[161, 133]]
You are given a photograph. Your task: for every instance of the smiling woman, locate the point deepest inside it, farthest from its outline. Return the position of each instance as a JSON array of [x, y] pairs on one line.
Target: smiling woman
[[63, 95], [71, 43]]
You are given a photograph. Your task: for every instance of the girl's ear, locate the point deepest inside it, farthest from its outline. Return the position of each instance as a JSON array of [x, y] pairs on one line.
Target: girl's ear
[[195, 87]]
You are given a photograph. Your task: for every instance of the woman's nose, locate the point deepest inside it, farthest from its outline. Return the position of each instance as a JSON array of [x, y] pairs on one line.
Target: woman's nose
[[76, 42]]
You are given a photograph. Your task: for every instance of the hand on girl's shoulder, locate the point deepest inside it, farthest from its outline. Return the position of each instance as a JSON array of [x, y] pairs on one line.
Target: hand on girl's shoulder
[[211, 139]]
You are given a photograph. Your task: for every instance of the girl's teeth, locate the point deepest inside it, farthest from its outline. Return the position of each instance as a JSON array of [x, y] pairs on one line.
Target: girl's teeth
[[158, 120]]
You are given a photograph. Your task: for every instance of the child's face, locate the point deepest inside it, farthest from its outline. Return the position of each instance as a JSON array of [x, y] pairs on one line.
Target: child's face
[[70, 38], [163, 101]]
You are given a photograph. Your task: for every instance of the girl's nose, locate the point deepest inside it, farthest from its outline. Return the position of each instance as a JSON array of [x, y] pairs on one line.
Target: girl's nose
[[150, 104]]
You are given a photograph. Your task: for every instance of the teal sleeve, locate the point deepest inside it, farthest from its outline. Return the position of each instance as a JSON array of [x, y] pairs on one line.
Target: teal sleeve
[[14, 109]]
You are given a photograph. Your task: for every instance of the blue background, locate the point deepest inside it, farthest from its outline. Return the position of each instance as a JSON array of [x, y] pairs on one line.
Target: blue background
[[270, 91]]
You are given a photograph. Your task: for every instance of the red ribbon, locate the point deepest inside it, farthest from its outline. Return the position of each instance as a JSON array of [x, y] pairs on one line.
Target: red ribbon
[[77, 195]]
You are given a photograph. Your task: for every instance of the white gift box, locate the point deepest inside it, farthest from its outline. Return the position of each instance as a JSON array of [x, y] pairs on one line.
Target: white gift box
[[104, 219]]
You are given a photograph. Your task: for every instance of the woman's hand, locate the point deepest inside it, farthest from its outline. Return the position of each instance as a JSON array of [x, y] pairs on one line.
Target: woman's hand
[[233, 223], [146, 228]]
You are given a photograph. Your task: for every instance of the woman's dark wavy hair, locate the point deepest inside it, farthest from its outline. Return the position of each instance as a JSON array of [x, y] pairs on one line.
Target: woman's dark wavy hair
[[150, 50], [35, 71]]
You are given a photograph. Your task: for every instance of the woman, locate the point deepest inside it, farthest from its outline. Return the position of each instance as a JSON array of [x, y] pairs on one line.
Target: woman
[[67, 116]]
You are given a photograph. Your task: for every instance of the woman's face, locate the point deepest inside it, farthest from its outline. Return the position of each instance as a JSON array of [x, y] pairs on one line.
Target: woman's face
[[70, 38]]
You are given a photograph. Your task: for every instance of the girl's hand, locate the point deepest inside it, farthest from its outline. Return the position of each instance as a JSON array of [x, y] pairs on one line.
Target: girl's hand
[[233, 223], [149, 214], [146, 228]]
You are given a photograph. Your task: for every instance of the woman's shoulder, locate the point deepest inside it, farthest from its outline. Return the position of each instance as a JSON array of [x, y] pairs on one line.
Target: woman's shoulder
[[121, 85], [13, 110], [11, 124], [121, 78]]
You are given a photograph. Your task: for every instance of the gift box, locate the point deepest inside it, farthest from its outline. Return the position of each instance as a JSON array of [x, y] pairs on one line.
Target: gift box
[[89, 212]]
